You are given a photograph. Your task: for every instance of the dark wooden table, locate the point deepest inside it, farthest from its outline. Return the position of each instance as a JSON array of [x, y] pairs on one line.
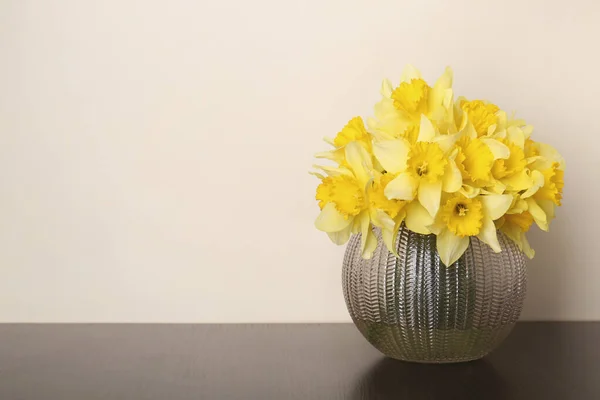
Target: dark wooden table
[[306, 362]]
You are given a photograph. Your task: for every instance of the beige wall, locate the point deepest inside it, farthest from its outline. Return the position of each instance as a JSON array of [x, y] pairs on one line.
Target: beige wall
[[154, 154]]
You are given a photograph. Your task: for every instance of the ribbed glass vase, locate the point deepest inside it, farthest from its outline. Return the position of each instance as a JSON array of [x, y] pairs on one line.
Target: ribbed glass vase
[[414, 308]]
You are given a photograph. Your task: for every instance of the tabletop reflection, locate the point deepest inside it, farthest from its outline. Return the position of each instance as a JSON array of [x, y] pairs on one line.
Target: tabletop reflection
[[393, 379]]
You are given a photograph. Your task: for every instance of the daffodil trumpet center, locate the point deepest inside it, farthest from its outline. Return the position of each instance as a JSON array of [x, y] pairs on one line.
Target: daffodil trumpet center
[[427, 161], [422, 169], [461, 210], [463, 216]]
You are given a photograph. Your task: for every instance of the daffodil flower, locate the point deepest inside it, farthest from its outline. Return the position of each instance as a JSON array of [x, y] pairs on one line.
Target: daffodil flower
[[476, 157], [398, 114], [512, 172], [353, 131], [516, 223], [352, 201], [482, 114], [420, 170], [388, 122], [462, 217], [413, 97], [545, 193]]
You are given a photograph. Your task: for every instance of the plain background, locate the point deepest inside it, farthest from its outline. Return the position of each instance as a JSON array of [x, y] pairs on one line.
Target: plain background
[[154, 154]]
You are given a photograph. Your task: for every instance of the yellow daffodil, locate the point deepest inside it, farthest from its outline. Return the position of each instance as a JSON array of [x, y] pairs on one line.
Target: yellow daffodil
[[353, 131], [475, 161], [388, 122], [352, 200], [461, 217], [398, 114], [386, 213], [481, 114], [546, 193], [343, 199], [516, 223], [530, 149], [511, 171], [476, 157], [420, 170], [411, 98], [516, 130], [414, 97]]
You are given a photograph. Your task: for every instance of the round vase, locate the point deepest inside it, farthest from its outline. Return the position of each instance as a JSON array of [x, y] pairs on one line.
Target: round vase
[[415, 308]]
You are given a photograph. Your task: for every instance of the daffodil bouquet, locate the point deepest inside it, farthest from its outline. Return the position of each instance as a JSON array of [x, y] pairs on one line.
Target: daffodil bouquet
[[451, 167]]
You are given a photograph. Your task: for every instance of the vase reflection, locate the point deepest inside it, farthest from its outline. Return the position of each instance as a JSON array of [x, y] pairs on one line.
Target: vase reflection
[[393, 379]]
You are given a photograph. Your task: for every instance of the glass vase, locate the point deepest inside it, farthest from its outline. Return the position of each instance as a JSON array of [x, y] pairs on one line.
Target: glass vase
[[414, 308]]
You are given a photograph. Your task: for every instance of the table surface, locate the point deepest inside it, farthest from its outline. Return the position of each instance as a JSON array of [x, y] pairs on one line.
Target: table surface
[[540, 360]]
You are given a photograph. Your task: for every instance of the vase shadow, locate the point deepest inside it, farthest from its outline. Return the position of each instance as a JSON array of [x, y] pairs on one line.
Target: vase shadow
[[393, 379]]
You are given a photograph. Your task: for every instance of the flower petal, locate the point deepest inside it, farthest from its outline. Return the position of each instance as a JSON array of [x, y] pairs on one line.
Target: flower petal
[[496, 187], [389, 233], [516, 136], [330, 219], [450, 247], [498, 149], [496, 205], [469, 130], [488, 234], [381, 219], [469, 191], [402, 187], [409, 74], [446, 142], [440, 92], [386, 88], [426, 130], [340, 237], [437, 227], [452, 181], [360, 161], [526, 247], [329, 155], [368, 241], [379, 134], [515, 234], [356, 225], [519, 207], [537, 179], [551, 154], [334, 171], [417, 218], [329, 141], [538, 214], [430, 194], [519, 181], [549, 208], [370, 245], [336, 155], [392, 154]]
